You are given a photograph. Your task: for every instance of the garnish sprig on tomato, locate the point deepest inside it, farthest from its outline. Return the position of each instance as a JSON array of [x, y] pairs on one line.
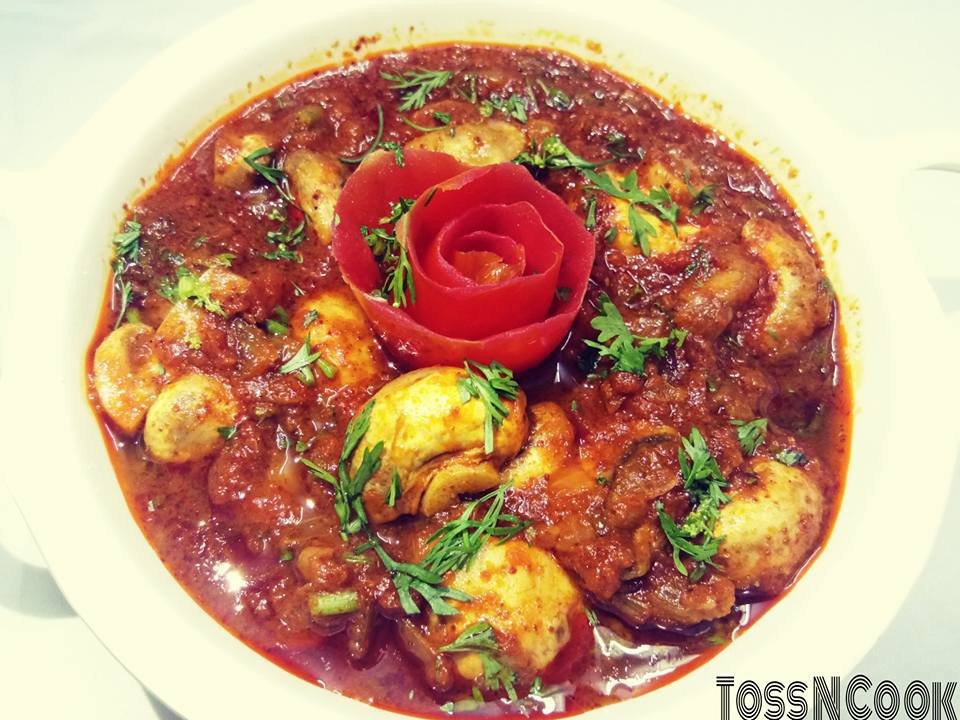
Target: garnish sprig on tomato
[[492, 265]]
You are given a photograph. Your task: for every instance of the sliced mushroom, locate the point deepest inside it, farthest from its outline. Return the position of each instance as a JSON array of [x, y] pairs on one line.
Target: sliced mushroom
[[525, 596], [548, 446], [802, 301], [434, 442], [232, 291], [646, 471], [664, 598], [183, 423], [705, 306], [658, 174], [189, 325], [338, 330], [770, 527], [483, 143], [127, 375], [316, 180], [230, 171]]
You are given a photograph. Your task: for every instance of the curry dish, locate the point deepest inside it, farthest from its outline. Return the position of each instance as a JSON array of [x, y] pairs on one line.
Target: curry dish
[[473, 379]]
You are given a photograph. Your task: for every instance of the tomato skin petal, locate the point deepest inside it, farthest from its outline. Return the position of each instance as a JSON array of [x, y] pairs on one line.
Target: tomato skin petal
[[437, 180], [473, 311], [366, 198]]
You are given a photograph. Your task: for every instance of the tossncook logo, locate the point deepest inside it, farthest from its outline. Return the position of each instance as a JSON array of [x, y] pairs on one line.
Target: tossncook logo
[[860, 700]]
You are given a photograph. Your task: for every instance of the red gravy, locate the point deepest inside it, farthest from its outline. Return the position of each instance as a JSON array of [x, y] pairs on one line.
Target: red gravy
[[237, 559]]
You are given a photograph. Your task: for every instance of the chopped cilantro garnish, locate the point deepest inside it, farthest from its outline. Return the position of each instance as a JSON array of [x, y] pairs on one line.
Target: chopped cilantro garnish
[[348, 488], [189, 287], [270, 172], [658, 198], [494, 382], [416, 86], [395, 490], [126, 253], [750, 433], [227, 432], [704, 483], [302, 363], [553, 154], [556, 98], [702, 198], [479, 639], [286, 239], [514, 106], [790, 457], [629, 352], [617, 146], [640, 230]]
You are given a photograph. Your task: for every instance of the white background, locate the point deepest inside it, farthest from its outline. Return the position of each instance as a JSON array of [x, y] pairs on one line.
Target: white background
[[882, 69]]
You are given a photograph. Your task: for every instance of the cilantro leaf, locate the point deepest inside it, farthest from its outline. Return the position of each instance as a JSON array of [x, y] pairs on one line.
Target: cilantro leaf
[[629, 352], [416, 86], [790, 457], [395, 490], [750, 433], [348, 489], [628, 189], [617, 146], [702, 198], [126, 244], [190, 287], [454, 547], [553, 154], [301, 363], [270, 172], [514, 106], [556, 98], [704, 483], [286, 239], [641, 230], [126, 253], [397, 210], [493, 382], [392, 256], [479, 639]]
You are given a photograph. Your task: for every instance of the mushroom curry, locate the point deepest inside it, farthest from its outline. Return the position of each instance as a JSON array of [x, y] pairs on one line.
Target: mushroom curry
[[473, 379]]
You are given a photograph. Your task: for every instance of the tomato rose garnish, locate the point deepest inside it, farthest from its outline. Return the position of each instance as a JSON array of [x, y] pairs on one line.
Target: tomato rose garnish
[[498, 264]]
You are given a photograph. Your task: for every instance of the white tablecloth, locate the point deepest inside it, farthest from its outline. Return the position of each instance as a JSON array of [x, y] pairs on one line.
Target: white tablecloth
[[880, 68]]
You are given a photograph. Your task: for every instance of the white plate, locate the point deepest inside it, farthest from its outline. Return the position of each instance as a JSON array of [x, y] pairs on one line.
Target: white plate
[[59, 472]]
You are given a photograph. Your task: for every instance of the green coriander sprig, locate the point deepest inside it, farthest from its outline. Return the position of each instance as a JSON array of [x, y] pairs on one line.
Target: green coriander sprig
[[416, 86], [348, 489], [703, 198], [302, 363], [628, 189], [514, 106], [479, 639], [189, 287], [553, 154], [750, 433], [453, 547], [629, 352], [704, 483], [126, 253], [392, 255], [270, 172], [493, 382]]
